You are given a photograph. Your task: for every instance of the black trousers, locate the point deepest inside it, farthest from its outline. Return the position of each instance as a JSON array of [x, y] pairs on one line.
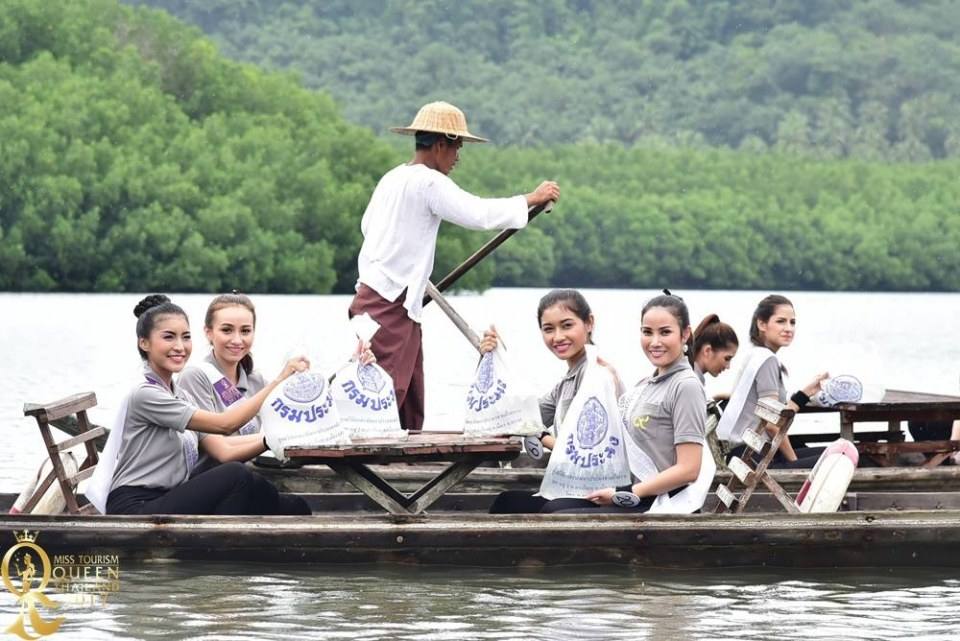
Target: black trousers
[[521, 502], [807, 457], [230, 488]]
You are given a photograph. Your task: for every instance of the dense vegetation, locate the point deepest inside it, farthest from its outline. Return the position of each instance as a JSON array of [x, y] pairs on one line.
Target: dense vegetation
[[134, 157], [828, 78]]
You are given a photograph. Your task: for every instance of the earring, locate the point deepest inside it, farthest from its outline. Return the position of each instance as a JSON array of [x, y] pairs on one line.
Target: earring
[[686, 348]]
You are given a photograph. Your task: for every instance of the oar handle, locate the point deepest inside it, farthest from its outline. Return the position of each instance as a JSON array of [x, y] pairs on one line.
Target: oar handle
[[453, 315], [444, 283]]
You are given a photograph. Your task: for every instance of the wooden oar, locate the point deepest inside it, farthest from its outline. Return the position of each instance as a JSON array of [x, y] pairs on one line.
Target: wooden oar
[[433, 293], [488, 247]]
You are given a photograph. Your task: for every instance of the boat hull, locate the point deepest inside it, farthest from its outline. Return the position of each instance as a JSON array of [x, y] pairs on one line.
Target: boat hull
[[922, 538]]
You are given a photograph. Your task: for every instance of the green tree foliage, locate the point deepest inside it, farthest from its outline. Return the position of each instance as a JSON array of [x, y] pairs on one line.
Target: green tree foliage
[[133, 157], [724, 219], [828, 78]]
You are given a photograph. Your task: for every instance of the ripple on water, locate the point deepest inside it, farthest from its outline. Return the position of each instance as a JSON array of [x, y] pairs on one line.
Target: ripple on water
[[216, 601]]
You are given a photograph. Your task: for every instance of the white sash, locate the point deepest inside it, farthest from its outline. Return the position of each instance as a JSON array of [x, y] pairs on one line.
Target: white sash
[[728, 422], [686, 501], [101, 482]]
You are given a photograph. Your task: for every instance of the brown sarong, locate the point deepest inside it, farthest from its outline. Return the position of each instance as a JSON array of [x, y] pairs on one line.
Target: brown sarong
[[398, 347]]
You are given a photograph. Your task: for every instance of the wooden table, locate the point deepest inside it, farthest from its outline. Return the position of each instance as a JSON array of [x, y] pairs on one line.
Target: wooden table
[[464, 454], [895, 407]]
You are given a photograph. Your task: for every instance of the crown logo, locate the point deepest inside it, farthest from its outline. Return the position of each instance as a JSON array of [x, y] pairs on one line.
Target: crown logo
[[25, 536]]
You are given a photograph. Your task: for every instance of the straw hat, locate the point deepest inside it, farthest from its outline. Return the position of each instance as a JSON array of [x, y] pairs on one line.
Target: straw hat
[[441, 118]]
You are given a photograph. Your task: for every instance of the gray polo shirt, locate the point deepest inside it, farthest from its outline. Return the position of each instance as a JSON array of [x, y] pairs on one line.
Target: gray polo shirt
[[768, 382], [195, 386], [670, 409], [555, 403], [151, 454]]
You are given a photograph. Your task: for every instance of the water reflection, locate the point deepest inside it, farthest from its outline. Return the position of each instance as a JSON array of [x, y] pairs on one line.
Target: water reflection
[[213, 601]]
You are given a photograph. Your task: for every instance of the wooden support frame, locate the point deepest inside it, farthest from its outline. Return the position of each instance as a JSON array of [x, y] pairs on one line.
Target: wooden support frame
[[383, 493], [748, 473], [45, 413]]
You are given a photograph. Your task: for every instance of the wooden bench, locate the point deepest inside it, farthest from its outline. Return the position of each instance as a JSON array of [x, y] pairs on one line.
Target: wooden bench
[[746, 474], [44, 414], [886, 454]]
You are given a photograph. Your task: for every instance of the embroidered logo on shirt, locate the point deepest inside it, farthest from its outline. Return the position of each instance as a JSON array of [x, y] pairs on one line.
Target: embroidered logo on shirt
[[640, 422]]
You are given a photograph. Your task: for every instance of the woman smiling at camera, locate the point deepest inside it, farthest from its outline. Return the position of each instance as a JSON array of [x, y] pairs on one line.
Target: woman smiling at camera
[[664, 422], [225, 376], [144, 468]]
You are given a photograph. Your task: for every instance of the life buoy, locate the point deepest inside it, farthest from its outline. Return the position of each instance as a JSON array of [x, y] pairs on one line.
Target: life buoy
[[827, 483], [52, 501]]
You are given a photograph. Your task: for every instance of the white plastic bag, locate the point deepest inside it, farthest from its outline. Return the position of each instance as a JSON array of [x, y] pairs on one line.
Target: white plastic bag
[[590, 452], [301, 412], [366, 401], [497, 404]]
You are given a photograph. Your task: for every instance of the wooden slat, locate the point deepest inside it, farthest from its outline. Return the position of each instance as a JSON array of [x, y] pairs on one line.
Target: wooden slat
[[924, 447], [82, 438], [82, 475], [60, 408], [418, 447]]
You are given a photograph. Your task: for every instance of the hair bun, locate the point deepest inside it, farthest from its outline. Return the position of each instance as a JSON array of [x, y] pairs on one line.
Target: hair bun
[[150, 301]]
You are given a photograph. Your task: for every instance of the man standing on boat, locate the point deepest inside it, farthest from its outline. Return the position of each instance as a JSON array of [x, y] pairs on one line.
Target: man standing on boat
[[399, 241]]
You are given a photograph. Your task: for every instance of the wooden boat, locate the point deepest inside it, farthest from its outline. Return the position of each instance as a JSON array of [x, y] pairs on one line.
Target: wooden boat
[[493, 479], [874, 529]]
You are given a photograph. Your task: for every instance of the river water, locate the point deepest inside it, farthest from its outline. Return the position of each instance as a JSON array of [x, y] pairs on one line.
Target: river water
[[55, 345]]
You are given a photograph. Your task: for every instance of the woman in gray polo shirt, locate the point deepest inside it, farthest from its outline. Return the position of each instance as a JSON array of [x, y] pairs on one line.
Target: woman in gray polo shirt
[[151, 473], [772, 328], [223, 377], [566, 326], [663, 415]]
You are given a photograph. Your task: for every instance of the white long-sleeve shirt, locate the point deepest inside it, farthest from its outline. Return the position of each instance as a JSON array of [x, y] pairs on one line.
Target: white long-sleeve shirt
[[401, 222]]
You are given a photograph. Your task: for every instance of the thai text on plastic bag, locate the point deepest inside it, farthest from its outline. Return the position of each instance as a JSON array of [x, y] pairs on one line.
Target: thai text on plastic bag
[[366, 401], [590, 451], [301, 412], [497, 404]]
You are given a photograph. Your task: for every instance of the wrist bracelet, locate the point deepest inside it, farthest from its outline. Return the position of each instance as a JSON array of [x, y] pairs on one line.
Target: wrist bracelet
[[800, 398]]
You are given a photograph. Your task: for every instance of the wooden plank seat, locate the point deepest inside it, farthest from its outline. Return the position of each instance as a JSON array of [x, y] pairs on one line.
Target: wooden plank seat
[[886, 454], [45, 414], [746, 473]]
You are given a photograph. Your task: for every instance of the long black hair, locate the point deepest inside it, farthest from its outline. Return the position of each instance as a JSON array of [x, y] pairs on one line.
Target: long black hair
[[715, 333]]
